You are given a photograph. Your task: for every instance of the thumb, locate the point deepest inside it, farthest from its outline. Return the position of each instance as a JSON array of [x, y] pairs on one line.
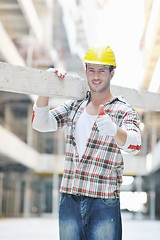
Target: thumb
[[101, 110]]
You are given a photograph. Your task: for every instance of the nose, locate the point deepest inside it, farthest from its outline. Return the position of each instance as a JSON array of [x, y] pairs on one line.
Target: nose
[[96, 75]]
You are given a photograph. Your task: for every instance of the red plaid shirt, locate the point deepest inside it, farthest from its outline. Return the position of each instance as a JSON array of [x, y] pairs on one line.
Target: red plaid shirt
[[99, 172]]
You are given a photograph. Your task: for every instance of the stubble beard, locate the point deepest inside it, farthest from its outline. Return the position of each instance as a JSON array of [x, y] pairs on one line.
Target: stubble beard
[[100, 90]]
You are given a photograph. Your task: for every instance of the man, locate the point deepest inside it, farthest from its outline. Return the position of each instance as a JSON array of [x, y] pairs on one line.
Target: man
[[99, 126]]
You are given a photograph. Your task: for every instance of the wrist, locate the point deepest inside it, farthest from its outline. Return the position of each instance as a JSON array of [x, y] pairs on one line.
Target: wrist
[[120, 137], [42, 101], [115, 129]]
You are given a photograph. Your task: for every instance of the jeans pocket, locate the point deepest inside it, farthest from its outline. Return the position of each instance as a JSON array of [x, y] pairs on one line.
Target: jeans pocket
[[110, 202], [62, 198]]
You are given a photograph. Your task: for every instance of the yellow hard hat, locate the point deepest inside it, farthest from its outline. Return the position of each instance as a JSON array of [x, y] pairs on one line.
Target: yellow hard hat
[[100, 55]]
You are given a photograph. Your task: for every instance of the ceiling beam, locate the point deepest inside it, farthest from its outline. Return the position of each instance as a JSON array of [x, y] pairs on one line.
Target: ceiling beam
[[8, 6], [22, 153], [8, 49], [32, 19], [152, 42], [18, 150]]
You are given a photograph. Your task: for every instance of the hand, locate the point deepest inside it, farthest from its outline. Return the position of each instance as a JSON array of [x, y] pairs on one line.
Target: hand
[[59, 72], [105, 124]]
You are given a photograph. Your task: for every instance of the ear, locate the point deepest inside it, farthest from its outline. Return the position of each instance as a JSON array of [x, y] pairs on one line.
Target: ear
[[112, 74]]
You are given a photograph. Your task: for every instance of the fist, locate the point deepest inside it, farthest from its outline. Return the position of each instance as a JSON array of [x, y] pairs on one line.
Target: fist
[[101, 111], [105, 124], [59, 72]]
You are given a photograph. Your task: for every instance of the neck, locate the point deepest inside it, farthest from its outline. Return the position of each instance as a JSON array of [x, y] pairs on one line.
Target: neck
[[101, 98]]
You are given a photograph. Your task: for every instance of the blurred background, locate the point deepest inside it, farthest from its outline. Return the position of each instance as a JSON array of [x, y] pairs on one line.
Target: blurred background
[[45, 33]]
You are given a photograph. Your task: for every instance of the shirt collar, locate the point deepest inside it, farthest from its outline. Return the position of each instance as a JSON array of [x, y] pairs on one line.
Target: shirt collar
[[117, 98]]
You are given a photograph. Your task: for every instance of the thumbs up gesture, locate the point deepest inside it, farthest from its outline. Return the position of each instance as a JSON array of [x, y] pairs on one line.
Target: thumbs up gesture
[[105, 124], [101, 111]]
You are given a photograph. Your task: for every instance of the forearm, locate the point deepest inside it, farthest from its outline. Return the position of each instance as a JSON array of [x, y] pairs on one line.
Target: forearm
[[120, 137], [129, 141], [42, 101], [43, 120]]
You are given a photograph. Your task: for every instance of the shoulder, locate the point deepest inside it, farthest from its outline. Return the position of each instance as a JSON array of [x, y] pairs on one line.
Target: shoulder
[[79, 103], [120, 103], [72, 104], [120, 108]]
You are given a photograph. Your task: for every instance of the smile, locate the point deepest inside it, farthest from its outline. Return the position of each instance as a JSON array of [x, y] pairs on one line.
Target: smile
[[96, 82]]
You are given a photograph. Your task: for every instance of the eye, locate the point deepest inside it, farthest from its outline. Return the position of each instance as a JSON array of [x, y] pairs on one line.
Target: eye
[[91, 70], [101, 71]]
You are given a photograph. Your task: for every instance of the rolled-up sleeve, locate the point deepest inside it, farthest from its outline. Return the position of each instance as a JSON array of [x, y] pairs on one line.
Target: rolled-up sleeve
[[131, 124], [46, 120], [133, 142], [43, 120]]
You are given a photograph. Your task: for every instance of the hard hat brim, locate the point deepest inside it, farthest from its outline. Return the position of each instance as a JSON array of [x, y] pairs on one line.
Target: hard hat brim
[[98, 63]]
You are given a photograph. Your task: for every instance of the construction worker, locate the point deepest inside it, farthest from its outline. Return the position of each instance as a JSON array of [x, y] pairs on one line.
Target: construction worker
[[98, 128]]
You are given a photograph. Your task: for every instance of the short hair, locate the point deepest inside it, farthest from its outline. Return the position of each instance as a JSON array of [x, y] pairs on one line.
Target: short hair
[[110, 67]]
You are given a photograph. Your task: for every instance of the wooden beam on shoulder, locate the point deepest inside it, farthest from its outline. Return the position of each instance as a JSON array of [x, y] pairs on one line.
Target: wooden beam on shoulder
[[32, 81]]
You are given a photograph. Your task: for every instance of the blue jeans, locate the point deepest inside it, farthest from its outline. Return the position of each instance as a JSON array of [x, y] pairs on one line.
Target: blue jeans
[[85, 218]]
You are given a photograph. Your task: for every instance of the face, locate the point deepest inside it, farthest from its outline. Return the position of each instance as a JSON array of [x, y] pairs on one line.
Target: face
[[98, 77]]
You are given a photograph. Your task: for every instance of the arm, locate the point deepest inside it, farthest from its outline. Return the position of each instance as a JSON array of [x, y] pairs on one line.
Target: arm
[[129, 141], [120, 137], [42, 118], [127, 136], [42, 101]]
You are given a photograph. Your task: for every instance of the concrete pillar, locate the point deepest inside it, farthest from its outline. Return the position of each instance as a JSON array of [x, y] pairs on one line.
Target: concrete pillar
[[154, 130], [9, 118], [1, 192], [32, 135], [152, 200], [30, 138], [139, 189], [27, 197], [55, 194], [42, 198], [17, 196]]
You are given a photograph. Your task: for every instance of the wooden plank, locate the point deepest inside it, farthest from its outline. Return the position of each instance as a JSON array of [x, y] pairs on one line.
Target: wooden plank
[[138, 99], [31, 81], [38, 82]]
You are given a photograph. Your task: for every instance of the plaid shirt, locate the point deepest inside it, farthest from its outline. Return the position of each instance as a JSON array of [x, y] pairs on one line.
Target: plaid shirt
[[99, 172]]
